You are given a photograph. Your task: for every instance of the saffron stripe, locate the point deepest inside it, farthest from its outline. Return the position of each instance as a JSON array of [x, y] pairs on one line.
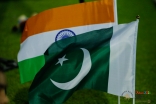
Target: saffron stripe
[[101, 11]]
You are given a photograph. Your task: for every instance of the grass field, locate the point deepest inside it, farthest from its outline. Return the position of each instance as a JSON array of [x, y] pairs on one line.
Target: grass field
[[127, 11]]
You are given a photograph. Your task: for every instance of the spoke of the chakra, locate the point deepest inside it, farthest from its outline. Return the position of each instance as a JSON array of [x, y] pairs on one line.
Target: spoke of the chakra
[[61, 60]]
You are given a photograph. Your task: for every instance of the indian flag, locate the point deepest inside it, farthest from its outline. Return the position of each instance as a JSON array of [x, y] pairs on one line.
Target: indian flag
[[42, 30], [100, 59]]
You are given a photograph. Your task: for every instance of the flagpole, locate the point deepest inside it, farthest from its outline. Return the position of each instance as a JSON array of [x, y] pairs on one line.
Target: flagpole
[[116, 23], [115, 12], [137, 18], [118, 99]]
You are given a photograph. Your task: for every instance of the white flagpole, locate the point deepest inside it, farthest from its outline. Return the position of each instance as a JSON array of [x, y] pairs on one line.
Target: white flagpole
[[116, 23], [134, 98], [115, 12], [118, 99], [137, 18]]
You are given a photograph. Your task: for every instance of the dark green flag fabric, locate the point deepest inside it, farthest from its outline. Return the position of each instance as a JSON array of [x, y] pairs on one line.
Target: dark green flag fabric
[[77, 62]]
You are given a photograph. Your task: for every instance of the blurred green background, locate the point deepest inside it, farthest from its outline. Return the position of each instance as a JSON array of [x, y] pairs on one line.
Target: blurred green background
[[127, 11]]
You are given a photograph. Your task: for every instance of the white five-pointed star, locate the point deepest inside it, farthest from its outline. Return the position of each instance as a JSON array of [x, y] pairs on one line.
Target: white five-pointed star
[[61, 60]]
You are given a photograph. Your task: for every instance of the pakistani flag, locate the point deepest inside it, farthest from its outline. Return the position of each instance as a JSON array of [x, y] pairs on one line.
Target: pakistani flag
[[101, 59], [41, 30]]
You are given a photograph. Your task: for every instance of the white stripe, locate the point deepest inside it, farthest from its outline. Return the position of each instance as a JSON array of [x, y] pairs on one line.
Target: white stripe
[[122, 56], [37, 44]]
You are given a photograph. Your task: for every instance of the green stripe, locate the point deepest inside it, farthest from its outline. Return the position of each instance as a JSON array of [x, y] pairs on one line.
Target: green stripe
[[28, 68], [97, 43]]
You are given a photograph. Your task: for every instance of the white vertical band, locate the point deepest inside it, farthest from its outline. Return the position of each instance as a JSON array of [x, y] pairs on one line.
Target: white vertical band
[[121, 67]]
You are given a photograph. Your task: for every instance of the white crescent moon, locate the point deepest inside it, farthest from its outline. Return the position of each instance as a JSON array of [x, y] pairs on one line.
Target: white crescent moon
[[86, 66]]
